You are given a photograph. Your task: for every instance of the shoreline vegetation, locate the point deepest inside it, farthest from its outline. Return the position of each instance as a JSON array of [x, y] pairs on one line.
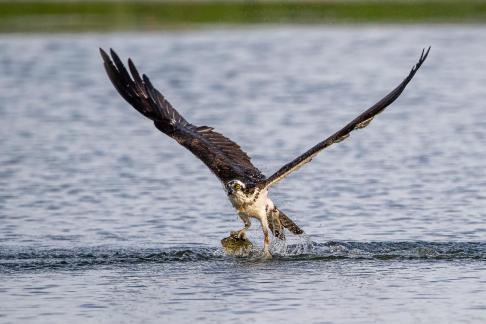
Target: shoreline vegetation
[[78, 15]]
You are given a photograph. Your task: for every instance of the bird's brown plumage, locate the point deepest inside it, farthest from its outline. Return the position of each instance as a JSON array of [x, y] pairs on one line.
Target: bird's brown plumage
[[359, 122], [223, 157]]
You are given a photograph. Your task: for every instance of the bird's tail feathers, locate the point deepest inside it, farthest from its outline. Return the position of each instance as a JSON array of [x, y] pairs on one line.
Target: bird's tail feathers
[[278, 221], [289, 224]]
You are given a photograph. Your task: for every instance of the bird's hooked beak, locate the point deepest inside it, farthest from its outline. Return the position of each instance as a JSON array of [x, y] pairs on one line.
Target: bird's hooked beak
[[231, 191]]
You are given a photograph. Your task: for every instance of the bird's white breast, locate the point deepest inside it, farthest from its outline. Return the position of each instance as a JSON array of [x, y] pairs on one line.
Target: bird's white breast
[[254, 206]]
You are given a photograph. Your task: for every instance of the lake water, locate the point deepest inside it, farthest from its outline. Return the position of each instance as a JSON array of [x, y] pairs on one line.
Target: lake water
[[105, 219]]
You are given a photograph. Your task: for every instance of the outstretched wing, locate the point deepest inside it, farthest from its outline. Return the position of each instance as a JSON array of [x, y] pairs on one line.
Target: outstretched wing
[[224, 157], [359, 122]]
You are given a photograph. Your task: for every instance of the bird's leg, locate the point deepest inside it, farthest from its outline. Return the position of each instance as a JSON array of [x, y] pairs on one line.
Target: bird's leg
[[242, 232], [266, 239]]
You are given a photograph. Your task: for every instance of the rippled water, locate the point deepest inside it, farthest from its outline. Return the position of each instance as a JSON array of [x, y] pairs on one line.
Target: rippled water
[[104, 219]]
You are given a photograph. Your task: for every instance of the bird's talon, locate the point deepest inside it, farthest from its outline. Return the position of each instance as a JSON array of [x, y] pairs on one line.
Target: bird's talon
[[240, 235], [267, 255]]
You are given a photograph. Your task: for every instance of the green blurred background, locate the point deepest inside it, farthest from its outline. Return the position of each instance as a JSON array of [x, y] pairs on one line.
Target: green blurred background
[[109, 15]]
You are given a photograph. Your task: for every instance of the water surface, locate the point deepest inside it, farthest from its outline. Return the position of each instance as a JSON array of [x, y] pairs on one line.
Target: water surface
[[105, 219]]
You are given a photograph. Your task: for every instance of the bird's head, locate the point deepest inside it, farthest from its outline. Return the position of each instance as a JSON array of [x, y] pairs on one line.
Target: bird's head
[[240, 193], [236, 188]]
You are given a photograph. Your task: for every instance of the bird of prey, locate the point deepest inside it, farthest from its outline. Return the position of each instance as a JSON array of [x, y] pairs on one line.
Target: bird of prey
[[246, 187]]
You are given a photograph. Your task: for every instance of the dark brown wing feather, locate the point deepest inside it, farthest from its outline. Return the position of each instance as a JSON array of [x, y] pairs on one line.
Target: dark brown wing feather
[[359, 122], [224, 157]]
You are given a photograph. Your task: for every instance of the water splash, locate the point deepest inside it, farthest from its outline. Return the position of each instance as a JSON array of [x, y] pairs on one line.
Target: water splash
[[14, 259], [303, 245]]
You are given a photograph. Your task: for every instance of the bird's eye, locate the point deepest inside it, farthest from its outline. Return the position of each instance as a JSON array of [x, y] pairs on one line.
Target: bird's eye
[[237, 186]]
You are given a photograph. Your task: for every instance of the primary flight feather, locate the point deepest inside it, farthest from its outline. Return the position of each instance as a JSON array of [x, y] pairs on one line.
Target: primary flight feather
[[246, 187]]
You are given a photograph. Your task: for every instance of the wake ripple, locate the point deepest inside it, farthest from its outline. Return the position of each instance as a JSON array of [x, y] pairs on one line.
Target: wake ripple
[[14, 259]]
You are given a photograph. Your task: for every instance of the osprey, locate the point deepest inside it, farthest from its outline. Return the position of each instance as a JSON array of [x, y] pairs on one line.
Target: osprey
[[246, 187]]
